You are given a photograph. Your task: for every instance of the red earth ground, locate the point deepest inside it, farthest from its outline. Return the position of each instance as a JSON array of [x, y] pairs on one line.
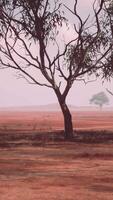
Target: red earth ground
[[48, 121], [54, 170]]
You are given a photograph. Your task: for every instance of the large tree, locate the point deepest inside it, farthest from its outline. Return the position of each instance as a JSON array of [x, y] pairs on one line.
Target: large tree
[[29, 32]]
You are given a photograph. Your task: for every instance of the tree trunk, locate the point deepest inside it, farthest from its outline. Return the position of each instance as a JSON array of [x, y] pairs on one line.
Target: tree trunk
[[68, 126]]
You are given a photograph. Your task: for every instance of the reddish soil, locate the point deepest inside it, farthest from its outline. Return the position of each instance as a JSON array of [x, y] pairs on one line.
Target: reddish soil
[[39, 169], [48, 121]]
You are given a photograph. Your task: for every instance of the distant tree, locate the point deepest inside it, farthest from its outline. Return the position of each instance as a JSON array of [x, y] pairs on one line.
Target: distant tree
[[99, 99], [29, 30]]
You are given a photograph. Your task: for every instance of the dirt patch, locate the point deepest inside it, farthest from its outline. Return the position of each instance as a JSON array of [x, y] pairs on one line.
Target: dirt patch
[[55, 170], [103, 188], [38, 165]]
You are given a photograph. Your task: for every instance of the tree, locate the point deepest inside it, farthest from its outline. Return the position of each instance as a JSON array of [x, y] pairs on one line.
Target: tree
[[26, 25], [99, 99], [107, 29]]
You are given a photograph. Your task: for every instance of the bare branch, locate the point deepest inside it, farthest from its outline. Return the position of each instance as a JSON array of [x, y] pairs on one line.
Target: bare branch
[[109, 91]]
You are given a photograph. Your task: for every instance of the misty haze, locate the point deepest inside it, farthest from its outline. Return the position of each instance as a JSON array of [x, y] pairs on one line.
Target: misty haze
[[56, 100]]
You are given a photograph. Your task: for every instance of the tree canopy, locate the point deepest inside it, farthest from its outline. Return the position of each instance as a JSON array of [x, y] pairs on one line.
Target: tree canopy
[[107, 24], [99, 99], [29, 31]]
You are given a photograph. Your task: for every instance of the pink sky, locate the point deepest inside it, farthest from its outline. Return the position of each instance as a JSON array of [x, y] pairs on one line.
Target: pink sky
[[14, 92]]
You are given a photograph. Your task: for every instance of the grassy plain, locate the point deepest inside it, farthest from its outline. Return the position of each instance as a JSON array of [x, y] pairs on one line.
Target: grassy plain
[[36, 163]]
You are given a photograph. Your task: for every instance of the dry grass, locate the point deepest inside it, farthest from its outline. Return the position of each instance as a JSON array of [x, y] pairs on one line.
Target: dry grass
[[50, 121], [39, 165]]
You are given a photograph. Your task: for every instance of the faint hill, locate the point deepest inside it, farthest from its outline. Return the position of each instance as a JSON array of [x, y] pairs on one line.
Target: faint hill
[[53, 107], [48, 107]]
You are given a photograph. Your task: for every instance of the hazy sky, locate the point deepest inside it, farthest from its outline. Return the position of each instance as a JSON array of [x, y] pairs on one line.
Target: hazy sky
[[17, 92]]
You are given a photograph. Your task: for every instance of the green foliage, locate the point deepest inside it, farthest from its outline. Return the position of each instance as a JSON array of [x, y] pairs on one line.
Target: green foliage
[[35, 18], [99, 99], [107, 28]]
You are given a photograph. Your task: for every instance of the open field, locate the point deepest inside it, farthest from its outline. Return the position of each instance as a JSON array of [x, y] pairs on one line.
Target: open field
[[49, 121], [36, 163]]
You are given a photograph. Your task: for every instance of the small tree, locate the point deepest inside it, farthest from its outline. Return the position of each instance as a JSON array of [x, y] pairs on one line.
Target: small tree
[[99, 99], [26, 25]]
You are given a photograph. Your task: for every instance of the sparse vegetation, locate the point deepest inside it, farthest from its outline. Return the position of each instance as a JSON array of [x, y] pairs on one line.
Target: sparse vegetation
[[46, 166]]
